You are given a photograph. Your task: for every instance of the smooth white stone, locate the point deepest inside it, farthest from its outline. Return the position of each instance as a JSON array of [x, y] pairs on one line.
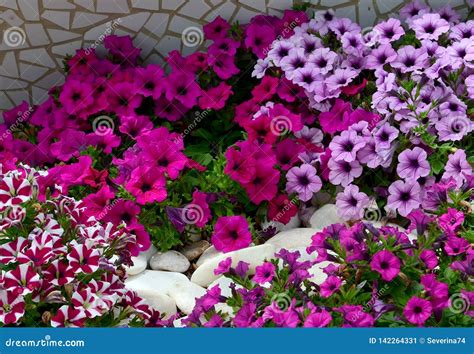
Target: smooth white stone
[[172, 261], [211, 252], [155, 281], [185, 295], [139, 265], [162, 303], [296, 238], [325, 216], [317, 275], [204, 275]]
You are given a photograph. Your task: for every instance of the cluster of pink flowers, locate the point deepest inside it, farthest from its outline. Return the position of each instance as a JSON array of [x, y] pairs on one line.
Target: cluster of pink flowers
[[361, 275], [58, 267]]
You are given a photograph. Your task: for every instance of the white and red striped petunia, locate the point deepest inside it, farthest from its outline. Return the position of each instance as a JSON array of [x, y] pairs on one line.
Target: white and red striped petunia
[[14, 189], [12, 307], [83, 259], [68, 316], [9, 251], [58, 273], [104, 292], [85, 300], [21, 280]]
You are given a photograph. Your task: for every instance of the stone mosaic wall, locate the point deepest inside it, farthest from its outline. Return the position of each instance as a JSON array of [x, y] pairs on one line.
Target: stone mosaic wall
[[37, 34]]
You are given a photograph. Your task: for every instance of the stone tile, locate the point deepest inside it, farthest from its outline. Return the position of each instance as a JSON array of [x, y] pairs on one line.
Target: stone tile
[[95, 32], [243, 14], [173, 4], [29, 9], [38, 55], [50, 80], [167, 44], [157, 24], [68, 48], [31, 72], [194, 9], [11, 84], [36, 34], [259, 6], [134, 22], [179, 24], [85, 19], [39, 95], [226, 10], [87, 4], [10, 4], [60, 35], [11, 18], [5, 102], [19, 96], [146, 4], [146, 43], [116, 6], [58, 5], [61, 18], [9, 67]]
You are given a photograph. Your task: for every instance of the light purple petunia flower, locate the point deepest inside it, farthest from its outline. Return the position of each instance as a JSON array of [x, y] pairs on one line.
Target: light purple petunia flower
[[296, 59], [261, 67], [385, 135], [343, 25], [389, 31], [352, 42], [280, 50], [452, 106], [413, 164], [470, 86], [323, 60], [340, 78], [413, 9], [462, 30], [461, 53], [351, 203], [410, 59], [344, 147], [457, 167], [449, 14], [453, 128], [342, 172], [310, 43], [304, 181], [380, 56], [429, 26], [404, 196], [308, 78]]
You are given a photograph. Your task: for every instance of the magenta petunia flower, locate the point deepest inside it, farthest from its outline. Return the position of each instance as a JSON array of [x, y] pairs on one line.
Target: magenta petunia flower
[[351, 203], [264, 273], [147, 185], [216, 29], [183, 88], [304, 181], [231, 233], [451, 221], [429, 258], [264, 183], [456, 245], [200, 208], [223, 267], [337, 119], [413, 164], [318, 319], [330, 286], [386, 264], [404, 196], [417, 310]]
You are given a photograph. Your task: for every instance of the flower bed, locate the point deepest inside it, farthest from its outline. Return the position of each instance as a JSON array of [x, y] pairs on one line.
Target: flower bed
[[330, 168]]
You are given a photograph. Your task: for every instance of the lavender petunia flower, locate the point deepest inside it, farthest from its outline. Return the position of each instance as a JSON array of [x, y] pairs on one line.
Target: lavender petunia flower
[[380, 56], [389, 31], [404, 197], [345, 146], [351, 203], [323, 60], [304, 181], [453, 128], [308, 78], [462, 30], [342, 172], [457, 167], [340, 78], [410, 59], [412, 164], [429, 26], [449, 14], [413, 9], [384, 136], [461, 53], [280, 50], [352, 43], [296, 59]]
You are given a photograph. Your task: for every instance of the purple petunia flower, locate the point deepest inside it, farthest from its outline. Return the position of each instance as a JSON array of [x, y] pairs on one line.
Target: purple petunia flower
[[322, 60], [304, 181], [410, 59], [264, 273], [345, 146], [351, 203], [417, 310], [453, 128], [342, 172], [384, 136], [341, 78], [386, 264], [413, 9], [413, 164], [389, 31], [280, 50], [429, 26], [307, 78], [330, 285], [296, 59], [457, 167], [404, 196]]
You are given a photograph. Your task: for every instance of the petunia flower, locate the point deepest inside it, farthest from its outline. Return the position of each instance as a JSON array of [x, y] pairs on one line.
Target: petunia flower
[[231, 233], [413, 164], [330, 286], [386, 264], [417, 311], [304, 181], [404, 196], [351, 203], [264, 273]]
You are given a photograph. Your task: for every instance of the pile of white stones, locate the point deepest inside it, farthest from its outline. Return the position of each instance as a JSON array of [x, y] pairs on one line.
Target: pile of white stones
[[159, 279]]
